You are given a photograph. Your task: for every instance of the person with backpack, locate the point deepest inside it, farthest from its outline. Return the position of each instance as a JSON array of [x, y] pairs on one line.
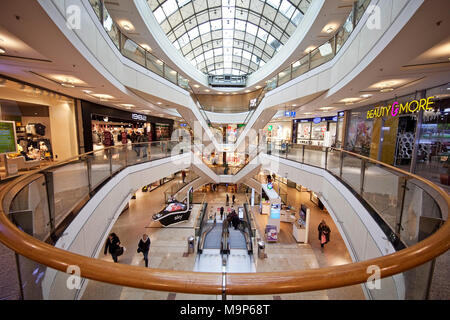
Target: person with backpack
[[144, 247], [113, 245]]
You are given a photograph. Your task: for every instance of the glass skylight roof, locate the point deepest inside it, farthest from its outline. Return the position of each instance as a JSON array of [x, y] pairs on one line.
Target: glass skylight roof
[[228, 36]]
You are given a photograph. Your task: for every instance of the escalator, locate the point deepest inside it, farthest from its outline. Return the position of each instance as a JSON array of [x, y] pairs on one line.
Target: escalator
[[224, 248]]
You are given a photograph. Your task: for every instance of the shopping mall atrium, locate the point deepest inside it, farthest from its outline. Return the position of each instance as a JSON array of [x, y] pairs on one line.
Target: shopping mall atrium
[[224, 150]]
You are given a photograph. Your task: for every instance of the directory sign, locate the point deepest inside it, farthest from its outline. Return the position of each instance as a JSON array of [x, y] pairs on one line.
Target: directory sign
[[8, 137]]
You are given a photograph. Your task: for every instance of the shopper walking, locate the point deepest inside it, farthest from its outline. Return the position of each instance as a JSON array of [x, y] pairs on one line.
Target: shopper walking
[[324, 233], [228, 199], [113, 246], [233, 198], [183, 175], [221, 212], [144, 247]]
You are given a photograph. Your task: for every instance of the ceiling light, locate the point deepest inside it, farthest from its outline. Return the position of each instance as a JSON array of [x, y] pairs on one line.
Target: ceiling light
[[196, 86], [306, 113], [2, 51], [127, 105], [87, 91], [329, 30], [366, 96], [127, 25], [159, 62], [159, 103], [206, 90], [68, 85], [309, 49], [326, 108], [103, 96], [294, 105], [247, 91], [386, 90], [146, 47], [258, 87], [220, 92]]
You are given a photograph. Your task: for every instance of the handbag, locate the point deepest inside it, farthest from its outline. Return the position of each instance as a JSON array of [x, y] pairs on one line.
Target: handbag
[[323, 239], [119, 251]]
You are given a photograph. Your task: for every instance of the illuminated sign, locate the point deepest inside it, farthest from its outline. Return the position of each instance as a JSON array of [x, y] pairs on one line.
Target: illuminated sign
[[290, 114], [140, 117], [270, 128], [399, 108], [317, 120], [341, 114], [183, 124]]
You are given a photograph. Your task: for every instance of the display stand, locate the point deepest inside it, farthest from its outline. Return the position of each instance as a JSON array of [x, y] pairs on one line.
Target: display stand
[[300, 231]]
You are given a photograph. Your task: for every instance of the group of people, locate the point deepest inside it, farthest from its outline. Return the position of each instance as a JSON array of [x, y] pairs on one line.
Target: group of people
[[233, 198], [114, 247]]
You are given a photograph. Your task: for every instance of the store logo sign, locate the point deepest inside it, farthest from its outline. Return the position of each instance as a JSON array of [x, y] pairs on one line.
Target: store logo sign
[[399, 108], [290, 114], [140, 117], [317, 120]]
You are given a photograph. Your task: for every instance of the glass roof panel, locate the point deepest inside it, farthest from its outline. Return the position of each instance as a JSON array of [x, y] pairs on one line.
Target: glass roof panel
[[229, 36]]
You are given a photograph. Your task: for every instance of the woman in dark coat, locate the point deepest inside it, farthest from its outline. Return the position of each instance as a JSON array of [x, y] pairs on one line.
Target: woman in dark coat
[[144, 247], [113, 244], [325, 230]]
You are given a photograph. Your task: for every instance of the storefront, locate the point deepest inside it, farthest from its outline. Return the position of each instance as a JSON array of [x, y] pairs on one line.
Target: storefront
[[411, 132], [98, 120], [44, 120], [317, 131]]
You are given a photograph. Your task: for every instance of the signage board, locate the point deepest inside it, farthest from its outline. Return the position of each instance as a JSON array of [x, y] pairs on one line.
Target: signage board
[[137, 116], [8, 137]]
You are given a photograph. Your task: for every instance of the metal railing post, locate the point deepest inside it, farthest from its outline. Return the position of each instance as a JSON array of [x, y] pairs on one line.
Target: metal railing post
[[341, 164], [50, 188], [109, 155], [402, 188], [89, 172], [326, 158], [362, 176], [303, 154]]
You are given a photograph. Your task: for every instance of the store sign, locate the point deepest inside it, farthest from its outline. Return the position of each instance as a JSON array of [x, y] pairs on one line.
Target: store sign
[[183, 124], [317, 120], [270, 128], [341, 114], [140, 117], [290, 114], [399, 108]]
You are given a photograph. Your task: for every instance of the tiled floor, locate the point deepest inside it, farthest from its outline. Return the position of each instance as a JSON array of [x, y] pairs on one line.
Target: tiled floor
[[169, 245]]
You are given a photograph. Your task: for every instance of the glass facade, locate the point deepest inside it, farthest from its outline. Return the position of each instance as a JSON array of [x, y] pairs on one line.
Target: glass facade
[[229, 36], [414, 141]]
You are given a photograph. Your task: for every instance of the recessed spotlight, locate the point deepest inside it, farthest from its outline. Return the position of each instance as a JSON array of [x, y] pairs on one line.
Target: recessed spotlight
[[103, 96], [326, 108], [2, 51], [307, 113], [127, 105], [309, 49], [146, 47], [159, 62], [87, 91], [127, 25], [68, 85], [294, 105], [247, 91], [258, 87], [386, 90], [330, 29], [159, 103], [366, 95], [206, 90], [196, 86]]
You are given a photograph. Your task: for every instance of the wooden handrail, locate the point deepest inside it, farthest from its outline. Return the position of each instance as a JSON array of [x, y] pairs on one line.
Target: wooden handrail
[[211, 283]]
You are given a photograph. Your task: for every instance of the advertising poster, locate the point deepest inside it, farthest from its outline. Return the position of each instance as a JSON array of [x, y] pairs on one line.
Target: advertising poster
[[7, 137]]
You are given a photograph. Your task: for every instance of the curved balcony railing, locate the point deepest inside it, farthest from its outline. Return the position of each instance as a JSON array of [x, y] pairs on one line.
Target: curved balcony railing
[[315, 58], [105, 163]]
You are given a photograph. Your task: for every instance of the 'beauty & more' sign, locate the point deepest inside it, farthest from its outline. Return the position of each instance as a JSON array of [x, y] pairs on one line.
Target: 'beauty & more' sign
[[399, 108]]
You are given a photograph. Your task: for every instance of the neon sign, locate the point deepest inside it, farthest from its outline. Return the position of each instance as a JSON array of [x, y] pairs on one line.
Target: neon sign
[[399, 108]]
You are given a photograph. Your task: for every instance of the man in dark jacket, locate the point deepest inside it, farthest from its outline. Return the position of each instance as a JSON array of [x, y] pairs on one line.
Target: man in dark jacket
[[113, 244], [144, 247], [221, 213]]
